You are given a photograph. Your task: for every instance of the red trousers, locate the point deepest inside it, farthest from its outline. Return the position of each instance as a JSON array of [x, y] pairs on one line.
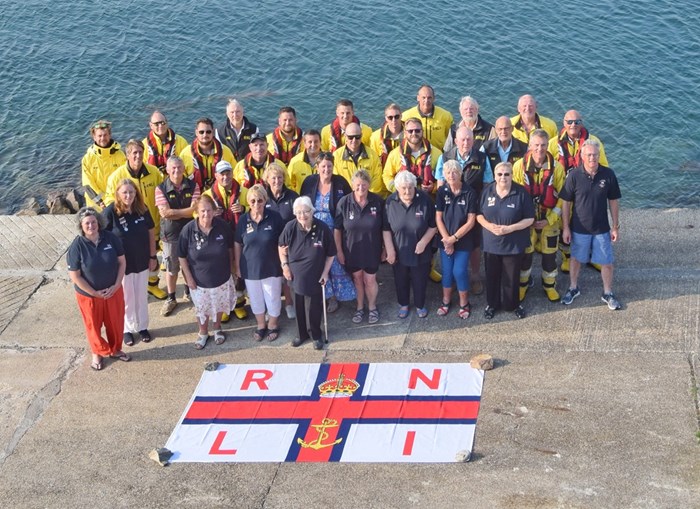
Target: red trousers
[[108, 312]]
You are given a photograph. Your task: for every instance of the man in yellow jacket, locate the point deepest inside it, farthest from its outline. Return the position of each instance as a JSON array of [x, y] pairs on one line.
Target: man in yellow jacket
[[436, 120], [146, 178], [201, 156], [161, 142], [304, 163], [101, 159], [286, 140], [333, 135], [389, 135], [249, 170], [355, 155], [527, 120]]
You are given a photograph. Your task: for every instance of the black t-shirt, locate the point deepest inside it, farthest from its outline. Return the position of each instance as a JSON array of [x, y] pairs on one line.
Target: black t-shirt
[[514, 207], [590, 195], [98, 264], [207, 255], [283, 205], [455, 210], [408, 225], [307, 254], [132, 230], [362, 230], [260, 257]]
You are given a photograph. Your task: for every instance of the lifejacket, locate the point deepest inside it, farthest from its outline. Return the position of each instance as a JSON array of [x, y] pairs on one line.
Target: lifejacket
[[337, 132], [292, 147], [566, 159], [204, 176], [228, 214], [388, 142], [422, 168], [252, 174], [472, 169], [182, 199], [543, 193], [154, 157]]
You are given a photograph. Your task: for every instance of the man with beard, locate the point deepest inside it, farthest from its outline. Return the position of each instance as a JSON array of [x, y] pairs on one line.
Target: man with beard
[[286, 140], [101, 159], [161, 142], [387, 138], [201, 156], [482, 130], [249, 171]]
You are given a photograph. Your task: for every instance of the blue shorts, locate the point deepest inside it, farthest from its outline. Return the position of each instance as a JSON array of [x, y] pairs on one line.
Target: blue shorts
[[593, 248]]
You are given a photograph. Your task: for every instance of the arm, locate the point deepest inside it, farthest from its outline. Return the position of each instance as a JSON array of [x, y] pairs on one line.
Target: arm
[[153, 261], [238, 250], [76, 276], [187, 274], [338, 238], [615, 213], [565, 216], [108, 292], [284, 260], [425, 240], [232, 260], [389, 247], [326, 269]]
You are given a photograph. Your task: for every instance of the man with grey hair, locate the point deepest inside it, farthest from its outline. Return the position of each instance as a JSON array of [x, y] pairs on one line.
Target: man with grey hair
[[527, 120], [471, 118], [235, 132], [504, 148]]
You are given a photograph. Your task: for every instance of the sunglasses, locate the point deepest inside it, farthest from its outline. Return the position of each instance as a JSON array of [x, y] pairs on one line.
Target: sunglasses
[[325, 155], [573, 122], [101, 125], [503, 174], [159, 123], [203, 131], [414, 131], [353, 136], [393, 117], [256, 200]]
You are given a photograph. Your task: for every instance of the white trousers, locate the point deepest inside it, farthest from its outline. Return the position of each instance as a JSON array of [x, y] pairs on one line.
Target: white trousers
[[135, 301], [265, 293]]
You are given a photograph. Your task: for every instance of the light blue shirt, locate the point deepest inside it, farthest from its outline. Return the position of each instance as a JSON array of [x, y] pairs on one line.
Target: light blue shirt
[[488, 172]]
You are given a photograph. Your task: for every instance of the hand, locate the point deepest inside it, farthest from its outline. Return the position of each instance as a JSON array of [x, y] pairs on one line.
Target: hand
[[448, 241], [191, 285], [341, 257], [391, 257], [324, 278], [449, 250], [566, 235], [237, 208], [218, 212], [287, 272], [540, 224], [152, 264], [420, 247], [614, 234], [237, 275]]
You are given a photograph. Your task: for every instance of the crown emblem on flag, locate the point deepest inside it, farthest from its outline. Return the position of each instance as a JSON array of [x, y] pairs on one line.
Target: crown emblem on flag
[[340, 387]]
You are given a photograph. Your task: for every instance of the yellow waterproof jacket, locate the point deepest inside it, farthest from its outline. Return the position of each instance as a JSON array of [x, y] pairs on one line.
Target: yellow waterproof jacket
[[326, 137], [240, 174], [180, 144], [551, 214], [299, 169], [376, 143], [393, 165], [146, 182], [556, 151], [545, 123], [186, 156], [435, 127], [97, 165], [345, 166]]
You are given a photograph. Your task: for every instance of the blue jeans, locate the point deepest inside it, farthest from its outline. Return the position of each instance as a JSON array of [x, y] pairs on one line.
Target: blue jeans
[[455, 268]]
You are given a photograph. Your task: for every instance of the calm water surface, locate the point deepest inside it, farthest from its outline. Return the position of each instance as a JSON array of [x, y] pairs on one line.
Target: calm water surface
[[629, 67]]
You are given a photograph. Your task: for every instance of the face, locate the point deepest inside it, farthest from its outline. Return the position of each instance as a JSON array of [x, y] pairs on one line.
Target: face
[[312, 143], [175, 170], [275, 181], [538, 147], [527, 107], [224, 179], [259, 150], [344, 114], [426, 100], [287, 122], [304, 215], [504, 130], [414, 132], [573, 124], [591, 157], [453, 177], [101, 137], [127, 194], [159, 124], [393, 119], [360, 187], [325, 169], [406, 192], [469, 111], [257, 203], [205, 213], [204, 133], [90, 226], [234, 112], [503, 176], [353, 137], [464, 141], [135, 157]]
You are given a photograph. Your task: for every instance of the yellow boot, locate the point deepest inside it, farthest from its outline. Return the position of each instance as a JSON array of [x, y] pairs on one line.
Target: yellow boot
[[596, 266], [526, 283], [435, 276], [240, 310], [154, 290], [549, 285], [565, 262]]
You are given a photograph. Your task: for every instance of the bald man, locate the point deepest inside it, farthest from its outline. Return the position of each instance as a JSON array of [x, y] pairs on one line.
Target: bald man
[[527, 120]]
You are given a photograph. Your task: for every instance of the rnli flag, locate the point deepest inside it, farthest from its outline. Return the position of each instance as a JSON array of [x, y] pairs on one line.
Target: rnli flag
[[416, 413]]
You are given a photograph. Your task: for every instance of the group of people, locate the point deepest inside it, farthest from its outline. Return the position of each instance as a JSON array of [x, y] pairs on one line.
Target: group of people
[[315, 213]]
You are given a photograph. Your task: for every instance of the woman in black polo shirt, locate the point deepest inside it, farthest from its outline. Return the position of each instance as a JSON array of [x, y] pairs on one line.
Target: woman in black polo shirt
[[205, 251], [129, 219], [359, 219], [505, 212], [307, 250], [258, 262], [409, 227], [455, 215]]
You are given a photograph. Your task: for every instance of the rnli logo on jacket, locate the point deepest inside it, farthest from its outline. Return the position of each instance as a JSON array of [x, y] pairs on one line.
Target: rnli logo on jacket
[[331, 412], [373, 211], [601, 184], [491, 201]]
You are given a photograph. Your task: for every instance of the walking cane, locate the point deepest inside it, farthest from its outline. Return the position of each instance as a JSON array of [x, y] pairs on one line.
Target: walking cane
[[325, 316]]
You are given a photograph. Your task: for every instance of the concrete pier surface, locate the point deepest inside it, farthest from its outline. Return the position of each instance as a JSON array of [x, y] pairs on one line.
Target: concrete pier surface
[[586, 407]]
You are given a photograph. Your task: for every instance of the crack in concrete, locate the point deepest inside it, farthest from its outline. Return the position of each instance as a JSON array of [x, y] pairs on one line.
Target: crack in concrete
[[694, 388], [269, 487]]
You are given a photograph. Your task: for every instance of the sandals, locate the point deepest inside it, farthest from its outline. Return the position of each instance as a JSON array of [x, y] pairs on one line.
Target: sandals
[[273, 334], [358, 316], [373, 316], [122, 356], [96, 365], [464, 311], [422, 312], [201, 341], [403, 312], [259, 334], [219, 337], [128, 339], [145, 336], [443, 309], [333, 305]]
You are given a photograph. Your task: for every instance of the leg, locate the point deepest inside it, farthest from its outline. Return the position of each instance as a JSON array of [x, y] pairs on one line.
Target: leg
[[114, 320], [371, 289], [492, 263], [606, 272], [359, 281], [510, 281], [141, 301], [92, 310], [130, 287], [272, 288], [526, 268], [448, 268], [461, 275], [419, 282], [550, 245], [403, 288], [315, 316], [299, 303]]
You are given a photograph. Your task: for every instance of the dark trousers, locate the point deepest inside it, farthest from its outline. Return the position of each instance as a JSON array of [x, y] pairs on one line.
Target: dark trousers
[[315, 314], [503, 280], [411, 277]]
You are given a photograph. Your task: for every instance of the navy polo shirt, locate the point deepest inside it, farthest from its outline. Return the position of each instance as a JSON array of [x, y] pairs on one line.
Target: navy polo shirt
[[408, 225], [307, 254], [362, 230], [98, 264], [132, 230], [260, 257], [514, 207], [283, 205], [455, 209], [207, 255], [590, 195]]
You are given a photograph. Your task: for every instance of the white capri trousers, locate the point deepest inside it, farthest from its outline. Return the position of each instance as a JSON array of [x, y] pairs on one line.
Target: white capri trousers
[[135, 301], [265, 293]]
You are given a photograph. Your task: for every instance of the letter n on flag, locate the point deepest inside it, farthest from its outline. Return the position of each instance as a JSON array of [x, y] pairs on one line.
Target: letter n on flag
[[417, 413]]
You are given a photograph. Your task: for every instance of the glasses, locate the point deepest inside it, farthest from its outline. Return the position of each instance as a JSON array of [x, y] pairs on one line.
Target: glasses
[[101, 124], [325, 155], [414, 131], [578, 121], [393, 117], [353, 136], [204, 131], [253, 201], [503, 174], [159, 123]]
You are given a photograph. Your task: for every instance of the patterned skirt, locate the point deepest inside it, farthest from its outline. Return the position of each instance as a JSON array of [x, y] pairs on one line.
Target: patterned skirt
[[210, 301]]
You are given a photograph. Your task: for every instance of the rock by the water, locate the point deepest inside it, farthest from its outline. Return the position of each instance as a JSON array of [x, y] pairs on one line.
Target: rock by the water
[[75, 200], [56, 203], [31, 208]]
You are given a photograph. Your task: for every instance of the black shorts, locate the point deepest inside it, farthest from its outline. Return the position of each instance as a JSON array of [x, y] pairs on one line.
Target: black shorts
[[368, 270]]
